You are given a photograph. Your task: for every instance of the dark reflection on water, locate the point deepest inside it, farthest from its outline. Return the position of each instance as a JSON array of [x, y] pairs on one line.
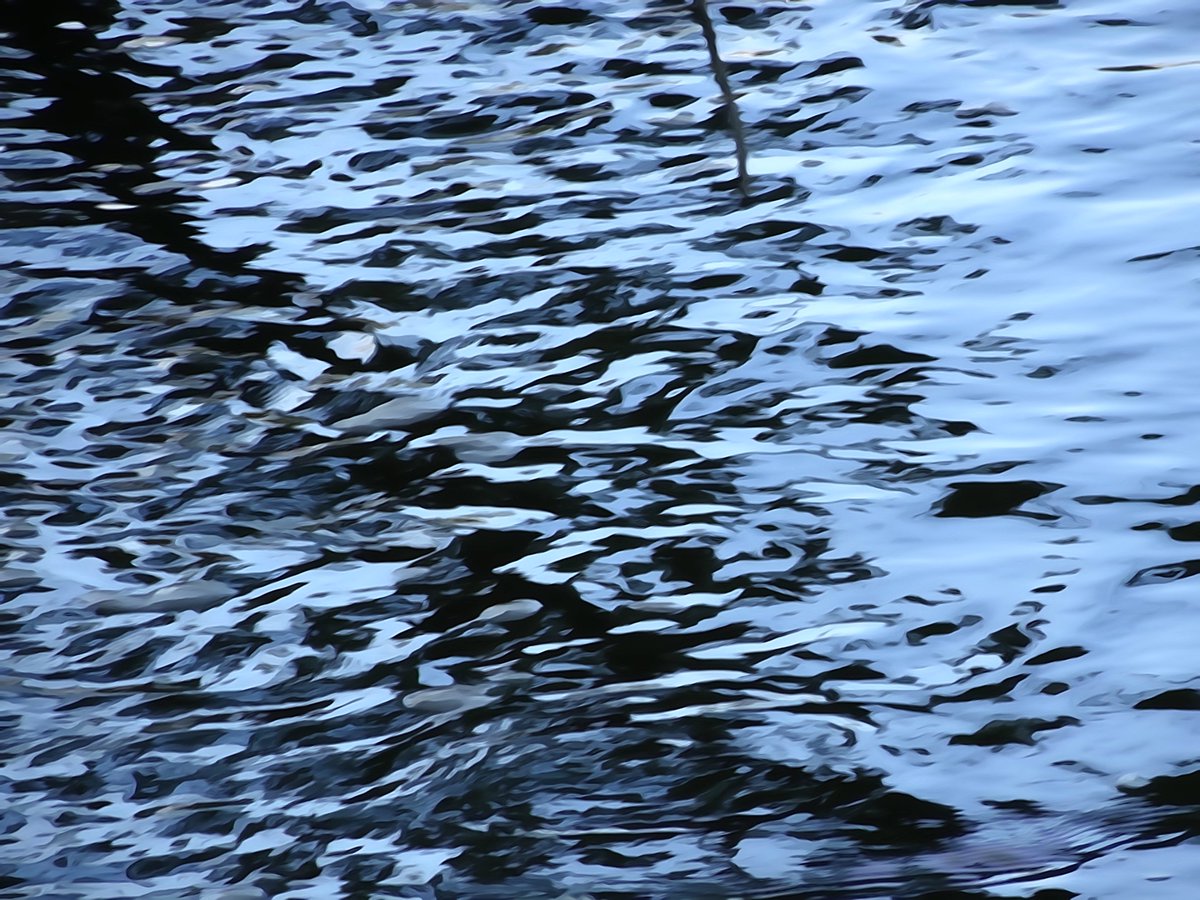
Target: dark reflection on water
[[423, 477]]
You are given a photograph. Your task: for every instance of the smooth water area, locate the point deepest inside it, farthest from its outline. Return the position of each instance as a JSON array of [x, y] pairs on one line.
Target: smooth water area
[[425, 476]]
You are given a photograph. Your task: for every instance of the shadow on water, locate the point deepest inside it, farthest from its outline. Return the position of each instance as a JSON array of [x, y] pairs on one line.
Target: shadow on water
[[100, 141], [423, 477]]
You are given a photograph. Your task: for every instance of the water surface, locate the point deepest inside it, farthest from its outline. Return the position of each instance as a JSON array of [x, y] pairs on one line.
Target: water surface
[[424, 476]]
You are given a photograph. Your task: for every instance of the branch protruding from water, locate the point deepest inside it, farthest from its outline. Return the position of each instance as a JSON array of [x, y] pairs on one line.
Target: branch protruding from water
[[732, 116]]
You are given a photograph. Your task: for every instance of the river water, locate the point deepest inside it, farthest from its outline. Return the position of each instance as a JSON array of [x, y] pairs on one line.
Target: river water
[[425, 476]]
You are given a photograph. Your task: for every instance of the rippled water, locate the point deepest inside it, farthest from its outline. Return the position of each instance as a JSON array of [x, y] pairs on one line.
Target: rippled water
[[424, 476]]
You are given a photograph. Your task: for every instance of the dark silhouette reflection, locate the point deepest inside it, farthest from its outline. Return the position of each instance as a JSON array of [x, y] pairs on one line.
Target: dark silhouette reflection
[[92, 107], [95, 112]]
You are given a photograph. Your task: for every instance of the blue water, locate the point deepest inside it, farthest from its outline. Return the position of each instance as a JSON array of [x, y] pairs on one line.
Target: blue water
[[424, 474]]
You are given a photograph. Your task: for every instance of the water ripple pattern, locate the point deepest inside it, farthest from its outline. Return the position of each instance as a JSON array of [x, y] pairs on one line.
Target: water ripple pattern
[[425, 476]]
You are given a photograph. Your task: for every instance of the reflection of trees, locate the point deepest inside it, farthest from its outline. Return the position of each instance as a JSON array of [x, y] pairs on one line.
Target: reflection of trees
[[92, 107]]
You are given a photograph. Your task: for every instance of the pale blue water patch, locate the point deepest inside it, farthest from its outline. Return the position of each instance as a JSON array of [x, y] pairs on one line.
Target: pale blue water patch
[[423, 476]]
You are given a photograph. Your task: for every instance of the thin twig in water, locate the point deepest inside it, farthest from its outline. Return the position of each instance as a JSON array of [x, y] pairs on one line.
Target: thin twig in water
[[734, 118]]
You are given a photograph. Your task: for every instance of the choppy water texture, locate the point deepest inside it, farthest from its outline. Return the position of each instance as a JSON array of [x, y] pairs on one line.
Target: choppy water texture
[[423, 476]]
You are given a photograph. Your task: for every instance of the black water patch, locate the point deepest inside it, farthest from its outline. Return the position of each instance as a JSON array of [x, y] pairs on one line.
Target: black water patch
[[978, 499]]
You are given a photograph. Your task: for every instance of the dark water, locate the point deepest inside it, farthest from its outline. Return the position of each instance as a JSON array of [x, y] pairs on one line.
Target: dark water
[[423, 476]]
